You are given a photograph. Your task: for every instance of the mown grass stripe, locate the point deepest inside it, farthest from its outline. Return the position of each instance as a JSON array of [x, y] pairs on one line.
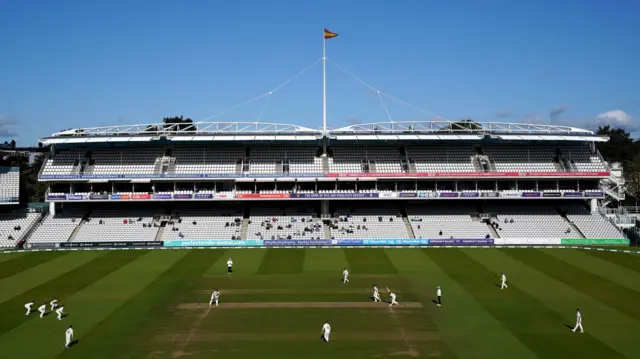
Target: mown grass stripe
[[369, 261], [9, 256], [21, 263], [33, 277], [629, 261], [325, 260], [470, 330], [90, 306], [530, 320], [62, 287], [623, 299], [282, 261], [601, 322], [140, 317], [607, 270]]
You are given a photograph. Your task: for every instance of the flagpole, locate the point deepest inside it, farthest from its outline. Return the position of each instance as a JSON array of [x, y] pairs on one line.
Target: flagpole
[[324, 83]]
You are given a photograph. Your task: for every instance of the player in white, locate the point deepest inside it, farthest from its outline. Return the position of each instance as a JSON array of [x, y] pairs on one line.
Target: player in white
[[54, 304], [503, 279], [215, 297], [28, 306], [326, 330], [345, 275], [42, 309], [393, 298], [439, 295], [68, 336], [376, 294], [59, 312], [578, 322], [229, 265]]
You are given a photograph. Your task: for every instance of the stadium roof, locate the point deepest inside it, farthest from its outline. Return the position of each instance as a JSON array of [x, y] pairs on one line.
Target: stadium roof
[[260, 131]]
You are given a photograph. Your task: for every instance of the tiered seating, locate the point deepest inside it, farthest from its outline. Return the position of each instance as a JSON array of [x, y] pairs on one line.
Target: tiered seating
[[62, 163], [386, 159], [272, 223], [369, 223], [522, 158], [116, 162], [9, 184], [207, 160], [263, 160], [347, 159], [441, 159], [9, 224], [446, 221], [204, 225], [531, 221], [117, 226], [583, 160], [303, 160], [58, 228], [592, 225]]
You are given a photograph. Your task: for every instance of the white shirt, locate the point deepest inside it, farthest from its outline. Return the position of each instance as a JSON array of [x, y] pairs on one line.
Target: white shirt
[[29, 304], [345, 273], [216, 294], [393, 296], [59, 310], [42, 308], [229, 263], [54, 303], [504, 278], [439, 292], [579, 317], [69, 332], [375, 290], [326, 328]]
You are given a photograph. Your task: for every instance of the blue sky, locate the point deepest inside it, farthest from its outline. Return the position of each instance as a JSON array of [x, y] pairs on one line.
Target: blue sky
[[92, 63]]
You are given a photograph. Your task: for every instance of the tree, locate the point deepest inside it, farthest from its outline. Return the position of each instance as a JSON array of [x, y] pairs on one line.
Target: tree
[[180, 123], [463, 125], [619, 148], [632, 178]]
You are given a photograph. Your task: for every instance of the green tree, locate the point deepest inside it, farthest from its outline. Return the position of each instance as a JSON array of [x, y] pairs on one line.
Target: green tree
[[182, 123], [619, 148]]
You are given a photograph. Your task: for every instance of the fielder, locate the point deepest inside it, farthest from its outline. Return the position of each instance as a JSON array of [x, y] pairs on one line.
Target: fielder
[[439, 295], [59, 312], [42, 309], [503, 279], [376, 294], [215, 296], [326, 330], [229, 265], [28, 306], [578, 322], [393, 298], [68, 337], [54, 304], [345, 275]]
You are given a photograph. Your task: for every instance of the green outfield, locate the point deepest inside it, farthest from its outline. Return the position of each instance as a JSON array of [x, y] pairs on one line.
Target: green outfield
[[154, 304]]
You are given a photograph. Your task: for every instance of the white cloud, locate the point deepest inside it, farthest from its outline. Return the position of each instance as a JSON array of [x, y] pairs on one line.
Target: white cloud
[[615, 118]]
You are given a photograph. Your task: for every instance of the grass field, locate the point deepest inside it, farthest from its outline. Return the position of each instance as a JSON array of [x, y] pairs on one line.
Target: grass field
[[144, 304]]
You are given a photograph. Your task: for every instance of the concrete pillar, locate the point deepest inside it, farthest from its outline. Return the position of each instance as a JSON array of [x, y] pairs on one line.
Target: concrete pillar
[[52, 208], [324, 209], [594, 206]]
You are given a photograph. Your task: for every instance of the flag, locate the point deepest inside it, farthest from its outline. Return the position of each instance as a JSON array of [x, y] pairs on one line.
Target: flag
[[328, 34]]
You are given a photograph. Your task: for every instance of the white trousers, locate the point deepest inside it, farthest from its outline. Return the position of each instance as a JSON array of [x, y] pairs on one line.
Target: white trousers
[[326, 337], [578, 325], [42, 314], [67, 341], [393, 302], [376, 297], [28, 309], [504, 285], [346, 279], [59, 314]]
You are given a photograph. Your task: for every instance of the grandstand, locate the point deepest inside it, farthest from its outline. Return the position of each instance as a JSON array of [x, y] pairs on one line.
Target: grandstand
[[9, 185], [419, 180]]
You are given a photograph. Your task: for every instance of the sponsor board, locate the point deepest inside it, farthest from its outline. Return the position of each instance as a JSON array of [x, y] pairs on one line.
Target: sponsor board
[[389, 242], [139, 196], [42, 245], [162, 196], [76, 197], [594, 194], [182, 196], [530, 194], [388, 195], [56, 197], [120, 197], [511, 195], [595, 241], [203, 196], [449, 194], [523, 241], [464, 241], [335, 195], [262, 195], [551, 194], [111, 244], [572, 194], [298, 242], [408, 195], [469, 194], [215, 243], [490, 194], [100, 197], [427, 194]]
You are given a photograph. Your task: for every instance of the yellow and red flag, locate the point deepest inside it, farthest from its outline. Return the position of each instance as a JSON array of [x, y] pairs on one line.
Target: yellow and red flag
[[329, 35]]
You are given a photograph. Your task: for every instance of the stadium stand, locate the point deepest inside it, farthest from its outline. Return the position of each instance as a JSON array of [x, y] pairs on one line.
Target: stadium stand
[[368, 223], [194, 224], [109, 225], [57, 228], [447, 221], [14, 227], [9, 184], [284, 223]]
